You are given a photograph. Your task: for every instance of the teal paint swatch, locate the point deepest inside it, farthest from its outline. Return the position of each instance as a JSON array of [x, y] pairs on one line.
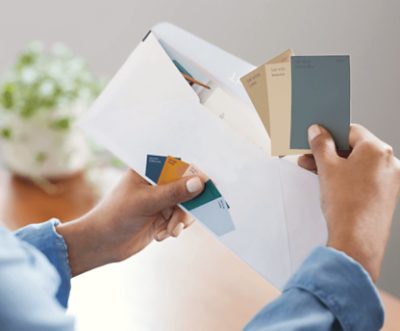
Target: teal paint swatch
[[210, 193]]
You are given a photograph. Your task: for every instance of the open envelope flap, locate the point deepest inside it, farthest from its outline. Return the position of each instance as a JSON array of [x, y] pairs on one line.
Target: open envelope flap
[[148, 74]]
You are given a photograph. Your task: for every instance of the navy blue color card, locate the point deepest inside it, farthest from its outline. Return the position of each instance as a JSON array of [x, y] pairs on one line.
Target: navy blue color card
[[154, 165], [320, 95]]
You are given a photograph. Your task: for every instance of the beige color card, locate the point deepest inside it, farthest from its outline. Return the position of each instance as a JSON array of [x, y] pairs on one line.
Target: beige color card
[[278, 78], [192, 170], [256, 87]]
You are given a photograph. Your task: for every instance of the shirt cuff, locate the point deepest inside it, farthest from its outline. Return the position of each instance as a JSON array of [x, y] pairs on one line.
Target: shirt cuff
[[343, 286], [45, 238]]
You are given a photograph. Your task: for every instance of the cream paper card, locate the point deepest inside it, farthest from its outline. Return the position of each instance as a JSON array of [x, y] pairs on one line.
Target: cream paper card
[[255, 84], [278, 77]]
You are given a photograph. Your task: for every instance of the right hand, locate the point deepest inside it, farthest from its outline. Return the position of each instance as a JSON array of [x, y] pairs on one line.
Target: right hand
[[358, 193], [128, 220]]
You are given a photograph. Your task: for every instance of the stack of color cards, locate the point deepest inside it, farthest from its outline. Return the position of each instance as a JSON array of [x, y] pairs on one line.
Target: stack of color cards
[[210, 206], [290, 93]]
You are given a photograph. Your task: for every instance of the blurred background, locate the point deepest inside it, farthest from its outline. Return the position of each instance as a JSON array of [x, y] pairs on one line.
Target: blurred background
[[99, 36]]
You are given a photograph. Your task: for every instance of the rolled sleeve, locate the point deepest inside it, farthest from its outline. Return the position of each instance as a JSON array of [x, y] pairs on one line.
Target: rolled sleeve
[[329, 292], [343, 286], [45, 238]]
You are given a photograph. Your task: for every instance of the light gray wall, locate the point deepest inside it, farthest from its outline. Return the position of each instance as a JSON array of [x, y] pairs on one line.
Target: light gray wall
[[106, 31]]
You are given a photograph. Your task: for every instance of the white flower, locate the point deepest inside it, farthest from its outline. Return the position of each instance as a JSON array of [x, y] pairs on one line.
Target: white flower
[[56, 70], [29, 76], [67, 84], [36, 47], [76, 65], [46, 88], [59, 49], [85, 94]]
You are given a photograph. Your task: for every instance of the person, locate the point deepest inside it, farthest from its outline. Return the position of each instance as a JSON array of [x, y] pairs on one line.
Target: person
[[332, 290]]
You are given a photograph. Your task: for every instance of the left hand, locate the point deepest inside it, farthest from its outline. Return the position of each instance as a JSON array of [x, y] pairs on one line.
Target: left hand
[[127, 220], [358, 193]]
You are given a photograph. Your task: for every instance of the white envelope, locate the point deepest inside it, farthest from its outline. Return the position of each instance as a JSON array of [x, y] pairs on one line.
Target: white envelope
[[149, 108]]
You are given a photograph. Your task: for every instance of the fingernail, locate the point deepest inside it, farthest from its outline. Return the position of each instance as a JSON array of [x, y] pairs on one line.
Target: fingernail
[[189, 222], [162, 235], [313, 131], [194, 184], [178, 229]]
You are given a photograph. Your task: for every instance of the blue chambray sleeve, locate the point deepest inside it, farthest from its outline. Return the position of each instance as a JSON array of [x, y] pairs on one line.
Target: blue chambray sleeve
[[44, 237], [330, 291], [29, 282]]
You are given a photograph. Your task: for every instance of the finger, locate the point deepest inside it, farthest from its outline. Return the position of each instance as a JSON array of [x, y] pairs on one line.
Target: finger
[[160, 224], [188, 221], [307, 162], [160, 229], [162, 235], [359, 134], [167, 213], [168, 195], [176, 223], [322, 146]]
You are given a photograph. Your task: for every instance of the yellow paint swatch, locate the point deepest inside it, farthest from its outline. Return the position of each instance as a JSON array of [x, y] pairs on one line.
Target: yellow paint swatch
[[172, 170]]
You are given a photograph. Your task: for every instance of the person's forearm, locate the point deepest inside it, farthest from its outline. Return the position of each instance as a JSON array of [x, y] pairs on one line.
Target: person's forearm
[[86, 247]]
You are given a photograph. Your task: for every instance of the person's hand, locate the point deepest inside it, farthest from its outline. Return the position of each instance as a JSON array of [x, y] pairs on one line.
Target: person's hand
[[358, 193], [127, 220]]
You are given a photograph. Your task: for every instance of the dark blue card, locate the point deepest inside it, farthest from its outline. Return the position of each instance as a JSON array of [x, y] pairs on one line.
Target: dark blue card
[[154, 165]]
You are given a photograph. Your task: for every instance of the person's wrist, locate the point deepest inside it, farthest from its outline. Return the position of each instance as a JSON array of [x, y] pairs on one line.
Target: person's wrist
[[355, 247], [86, 248]]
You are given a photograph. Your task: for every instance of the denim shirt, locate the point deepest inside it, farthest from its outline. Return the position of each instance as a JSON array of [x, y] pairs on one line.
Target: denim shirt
[[330, 291]]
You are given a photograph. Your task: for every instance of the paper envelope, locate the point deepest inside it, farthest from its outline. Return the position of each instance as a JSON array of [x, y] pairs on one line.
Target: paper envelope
[[149, 108]]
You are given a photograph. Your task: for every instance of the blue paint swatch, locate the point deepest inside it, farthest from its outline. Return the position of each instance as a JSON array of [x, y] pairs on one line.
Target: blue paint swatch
[[215, 215], [154, 165], [320, 95]]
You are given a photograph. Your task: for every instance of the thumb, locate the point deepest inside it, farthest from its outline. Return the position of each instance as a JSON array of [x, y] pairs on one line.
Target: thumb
[[168, 195], [322, 146]]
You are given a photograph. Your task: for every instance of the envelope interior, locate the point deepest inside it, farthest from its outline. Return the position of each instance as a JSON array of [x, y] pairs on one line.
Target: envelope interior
[[231, 110]]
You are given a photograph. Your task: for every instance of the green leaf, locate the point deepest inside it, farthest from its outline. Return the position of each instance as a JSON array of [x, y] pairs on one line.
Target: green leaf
[[6, 133], [7, 98], [61, 124], [117, 163], [40, 157], [27, 110]]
